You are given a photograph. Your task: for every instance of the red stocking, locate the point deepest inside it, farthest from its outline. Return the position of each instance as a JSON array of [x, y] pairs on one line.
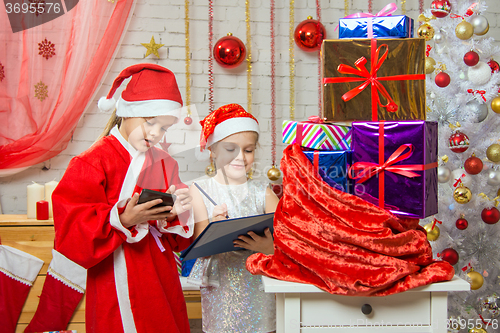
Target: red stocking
[[62, 292], [18, 271]]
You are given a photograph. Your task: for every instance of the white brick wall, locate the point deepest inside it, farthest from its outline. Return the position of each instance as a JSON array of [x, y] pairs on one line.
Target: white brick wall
[[165, 21]]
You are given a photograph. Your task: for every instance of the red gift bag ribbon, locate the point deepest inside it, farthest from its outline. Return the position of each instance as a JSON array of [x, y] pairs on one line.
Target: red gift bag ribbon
[[368, 169], [371, 78]]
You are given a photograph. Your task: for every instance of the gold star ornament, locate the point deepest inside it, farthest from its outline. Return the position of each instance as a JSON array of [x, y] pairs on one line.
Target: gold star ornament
[[152, 47]]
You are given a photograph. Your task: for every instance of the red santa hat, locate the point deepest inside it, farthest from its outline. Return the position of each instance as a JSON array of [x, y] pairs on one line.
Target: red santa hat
[[225, 121], [151, 92]]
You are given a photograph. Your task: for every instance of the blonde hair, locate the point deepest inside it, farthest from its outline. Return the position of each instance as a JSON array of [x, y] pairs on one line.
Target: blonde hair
[[113, 121]]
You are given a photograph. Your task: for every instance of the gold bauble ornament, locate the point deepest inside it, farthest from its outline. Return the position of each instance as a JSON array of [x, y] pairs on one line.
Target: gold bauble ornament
[[429, 65], [426, 31], [477, 330], [462, 195], [464, 30], [476, 280], [432, 233], [274, 174], [495, 104], [485, 31], [210, 170], [493, 152]]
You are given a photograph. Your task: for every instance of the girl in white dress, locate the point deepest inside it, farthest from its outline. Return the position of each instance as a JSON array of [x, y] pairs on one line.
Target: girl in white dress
[[232, 299]]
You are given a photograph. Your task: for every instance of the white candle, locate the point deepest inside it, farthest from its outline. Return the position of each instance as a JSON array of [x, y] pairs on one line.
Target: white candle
[[49, 188], [35, 194]]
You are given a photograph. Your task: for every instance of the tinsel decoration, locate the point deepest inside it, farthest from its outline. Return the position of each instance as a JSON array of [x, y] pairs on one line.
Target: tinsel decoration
[[41, 91], [2, 72], [420, 6], [370, 6], [273, 86], [291, 56], [188, 120], [346, 8], [210, 56], [46, 49], [403, 7], [318, 16], [249, 56]]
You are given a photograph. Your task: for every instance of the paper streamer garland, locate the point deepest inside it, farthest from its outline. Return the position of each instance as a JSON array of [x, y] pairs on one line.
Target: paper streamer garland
[[249, 57], [188, 59], [291, 46], [273, 87]]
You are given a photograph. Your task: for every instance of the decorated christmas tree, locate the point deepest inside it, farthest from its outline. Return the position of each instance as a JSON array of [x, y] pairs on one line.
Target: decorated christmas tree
[[463, 97]]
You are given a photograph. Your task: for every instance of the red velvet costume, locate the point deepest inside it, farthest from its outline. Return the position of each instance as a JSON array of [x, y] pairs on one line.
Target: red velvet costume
[[131, 285], [341, 243]]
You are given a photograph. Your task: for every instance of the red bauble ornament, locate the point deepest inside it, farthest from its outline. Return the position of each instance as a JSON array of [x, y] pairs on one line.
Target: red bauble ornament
[[229, 51], [471, 58], [450, 255], [188, 120], [440, 8], [473, 165], [490, 215], [494, 66], [459, 142], [309, 35], [462, 223], [442, 79]]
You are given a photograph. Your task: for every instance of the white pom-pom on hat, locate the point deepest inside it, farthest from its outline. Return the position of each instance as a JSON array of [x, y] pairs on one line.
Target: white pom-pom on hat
[[105, 104]]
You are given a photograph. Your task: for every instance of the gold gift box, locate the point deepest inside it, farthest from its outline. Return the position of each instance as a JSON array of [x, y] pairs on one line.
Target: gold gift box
[[395, 57]]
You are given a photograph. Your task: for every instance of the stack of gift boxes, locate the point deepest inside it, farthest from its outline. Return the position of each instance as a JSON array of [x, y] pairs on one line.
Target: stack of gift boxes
[[372, 139]]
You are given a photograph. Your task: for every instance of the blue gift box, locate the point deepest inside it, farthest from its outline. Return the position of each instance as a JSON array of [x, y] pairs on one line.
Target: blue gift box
[[396, 26], [333, 167]]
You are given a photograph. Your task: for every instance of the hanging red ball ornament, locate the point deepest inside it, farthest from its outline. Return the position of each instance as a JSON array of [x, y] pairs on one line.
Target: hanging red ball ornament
[[442, 79], [473, 165], [450, 255], [462, 223], [309, 35], [490, 215], [494, 66], [229, 51], [459, 142], [471, 58], [440, 8], [188, 120]]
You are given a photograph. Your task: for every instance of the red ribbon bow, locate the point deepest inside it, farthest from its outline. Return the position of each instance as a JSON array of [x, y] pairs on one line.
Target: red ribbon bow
[[459, 180], [468, 12], [429, 48], [371, 78], [481, 92], [316, 119], [368, 169]]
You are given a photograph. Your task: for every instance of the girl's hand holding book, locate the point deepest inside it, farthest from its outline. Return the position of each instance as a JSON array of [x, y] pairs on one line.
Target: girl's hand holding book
[[252, 241]]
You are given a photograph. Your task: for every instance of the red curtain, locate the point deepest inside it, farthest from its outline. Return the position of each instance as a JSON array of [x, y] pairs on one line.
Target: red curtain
[[48, 76]]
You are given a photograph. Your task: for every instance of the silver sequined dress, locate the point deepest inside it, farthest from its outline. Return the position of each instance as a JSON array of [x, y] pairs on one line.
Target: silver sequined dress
[[232, 299]]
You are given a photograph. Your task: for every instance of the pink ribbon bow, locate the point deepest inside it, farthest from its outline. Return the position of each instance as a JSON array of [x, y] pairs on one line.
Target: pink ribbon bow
[[386, 11]]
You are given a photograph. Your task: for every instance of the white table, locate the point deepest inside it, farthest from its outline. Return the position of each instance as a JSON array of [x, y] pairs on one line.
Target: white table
[[305, 308]]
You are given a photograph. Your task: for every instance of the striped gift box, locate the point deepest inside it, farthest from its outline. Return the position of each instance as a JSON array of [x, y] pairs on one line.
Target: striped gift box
[[317, 136]]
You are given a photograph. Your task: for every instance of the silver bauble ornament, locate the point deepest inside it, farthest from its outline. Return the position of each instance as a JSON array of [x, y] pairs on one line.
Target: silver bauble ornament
[[462, 175], [439, 37], [479, 74], [493, 177], [479, 23], [444, 174], [432, 95], [477, 110], [489, 306]]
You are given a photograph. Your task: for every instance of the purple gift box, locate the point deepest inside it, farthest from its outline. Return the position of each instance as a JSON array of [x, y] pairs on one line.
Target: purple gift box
[[395, 165]]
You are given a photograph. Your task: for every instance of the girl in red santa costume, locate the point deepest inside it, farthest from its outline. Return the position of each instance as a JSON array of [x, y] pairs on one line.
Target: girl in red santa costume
[[232, 299], [126, 247]]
